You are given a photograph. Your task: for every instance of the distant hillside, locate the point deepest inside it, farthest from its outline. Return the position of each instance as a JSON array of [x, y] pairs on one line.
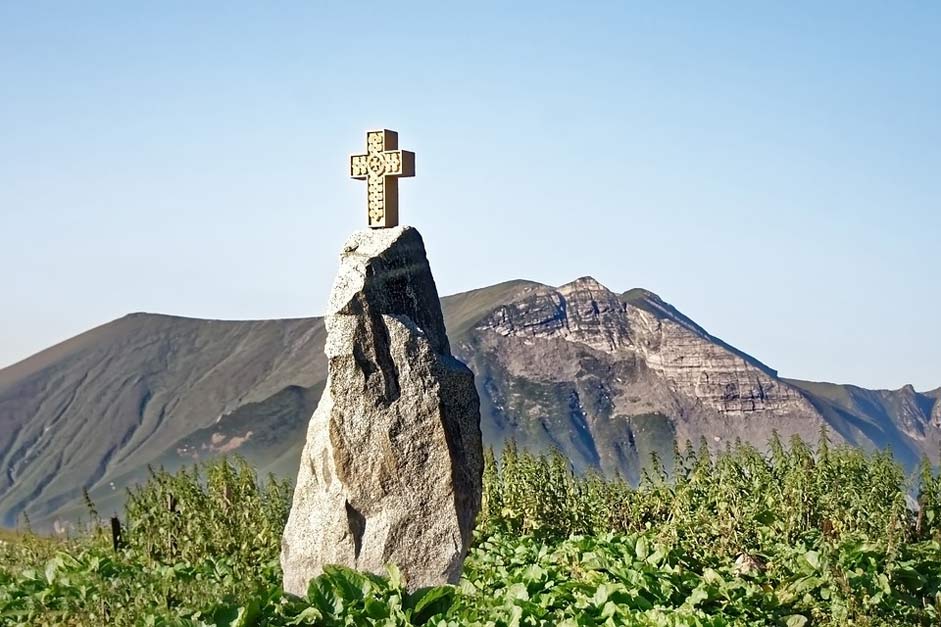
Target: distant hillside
[[149, 389], [607, 378]]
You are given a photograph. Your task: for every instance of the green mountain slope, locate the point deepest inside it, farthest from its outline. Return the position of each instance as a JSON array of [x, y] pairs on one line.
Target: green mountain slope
[[102, 406]]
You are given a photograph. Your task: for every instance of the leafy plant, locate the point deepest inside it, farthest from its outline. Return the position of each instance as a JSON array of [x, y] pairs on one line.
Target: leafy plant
[[796, 537]]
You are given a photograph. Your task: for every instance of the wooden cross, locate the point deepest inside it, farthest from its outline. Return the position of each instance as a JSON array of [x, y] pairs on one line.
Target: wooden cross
[[381, 167]]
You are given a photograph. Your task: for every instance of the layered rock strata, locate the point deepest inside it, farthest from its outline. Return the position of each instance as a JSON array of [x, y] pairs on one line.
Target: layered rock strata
[[612, 379]]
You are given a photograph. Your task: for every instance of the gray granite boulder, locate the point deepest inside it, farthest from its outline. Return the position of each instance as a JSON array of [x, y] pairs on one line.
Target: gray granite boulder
[[391, 470]]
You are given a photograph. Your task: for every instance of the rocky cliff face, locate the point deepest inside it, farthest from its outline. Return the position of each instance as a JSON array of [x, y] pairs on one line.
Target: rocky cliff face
[[583, 311], [903, 420], [935, 399], [610, 378], [705, 369]]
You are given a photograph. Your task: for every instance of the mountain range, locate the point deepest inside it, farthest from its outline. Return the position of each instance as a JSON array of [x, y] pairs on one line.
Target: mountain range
[[606, 378]]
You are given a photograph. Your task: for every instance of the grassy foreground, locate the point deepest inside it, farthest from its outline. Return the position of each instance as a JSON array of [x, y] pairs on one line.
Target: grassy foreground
[[793, 538]]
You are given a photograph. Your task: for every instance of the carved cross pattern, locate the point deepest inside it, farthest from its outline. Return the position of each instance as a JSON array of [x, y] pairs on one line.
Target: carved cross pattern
[[381, 167]]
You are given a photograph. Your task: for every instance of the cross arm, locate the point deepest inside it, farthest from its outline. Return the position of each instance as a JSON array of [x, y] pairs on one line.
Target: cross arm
[[358, 168], [399, 162]]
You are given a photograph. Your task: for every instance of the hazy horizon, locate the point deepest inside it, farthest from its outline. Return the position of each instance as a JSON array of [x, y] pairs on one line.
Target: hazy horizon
[[770, 171]]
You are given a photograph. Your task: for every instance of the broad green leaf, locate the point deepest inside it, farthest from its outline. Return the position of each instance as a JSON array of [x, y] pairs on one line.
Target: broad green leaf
[[310, 615], [395, 575], [376, 609], [697, 596], [427, 602], [517, 591], [813, 558]]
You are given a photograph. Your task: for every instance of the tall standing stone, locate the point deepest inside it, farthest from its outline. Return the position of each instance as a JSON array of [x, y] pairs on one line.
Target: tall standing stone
[[391, 470]]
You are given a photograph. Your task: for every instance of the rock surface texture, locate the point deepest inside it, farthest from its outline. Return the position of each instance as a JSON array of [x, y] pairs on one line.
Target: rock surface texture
[[391, 470], [608, 379]]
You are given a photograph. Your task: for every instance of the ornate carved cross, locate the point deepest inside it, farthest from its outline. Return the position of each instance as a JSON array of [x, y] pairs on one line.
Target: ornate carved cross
[[381, 167]]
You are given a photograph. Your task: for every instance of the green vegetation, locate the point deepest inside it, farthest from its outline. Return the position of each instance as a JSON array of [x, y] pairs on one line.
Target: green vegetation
[[792, 538]]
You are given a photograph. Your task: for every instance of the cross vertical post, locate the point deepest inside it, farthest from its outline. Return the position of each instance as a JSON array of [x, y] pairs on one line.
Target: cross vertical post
[[381, 167]]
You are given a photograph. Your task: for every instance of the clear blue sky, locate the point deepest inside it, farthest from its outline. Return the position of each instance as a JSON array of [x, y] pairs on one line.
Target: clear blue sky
[[772, 169]]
